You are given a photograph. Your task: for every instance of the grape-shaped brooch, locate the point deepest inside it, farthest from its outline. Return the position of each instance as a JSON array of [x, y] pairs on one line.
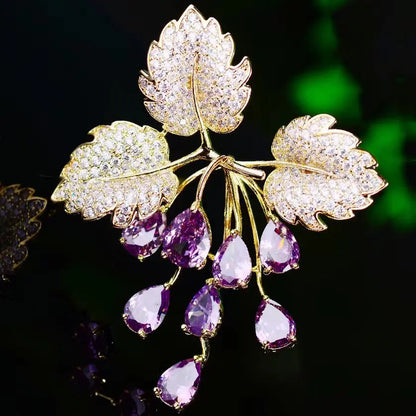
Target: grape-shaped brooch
[[125, 171]]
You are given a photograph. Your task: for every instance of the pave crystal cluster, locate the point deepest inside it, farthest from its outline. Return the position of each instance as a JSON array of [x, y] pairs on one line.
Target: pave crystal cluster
[[191, 86]]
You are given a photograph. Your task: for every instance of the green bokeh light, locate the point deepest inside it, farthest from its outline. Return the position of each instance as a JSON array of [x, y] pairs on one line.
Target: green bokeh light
[[330, 5], [328, 90], [386, 140]]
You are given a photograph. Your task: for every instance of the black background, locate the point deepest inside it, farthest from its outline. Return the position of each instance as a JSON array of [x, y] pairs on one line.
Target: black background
[[69, 65]]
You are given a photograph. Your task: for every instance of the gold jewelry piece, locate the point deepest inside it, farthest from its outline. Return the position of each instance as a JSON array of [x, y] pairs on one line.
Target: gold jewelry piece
[[191, 85]]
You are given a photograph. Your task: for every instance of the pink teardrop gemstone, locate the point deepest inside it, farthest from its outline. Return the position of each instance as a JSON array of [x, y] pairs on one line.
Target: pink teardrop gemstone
[[231, 267], [275, 328], [203, 314], [279, 250], [187, 240], [178, 384], [143, 237], [145, 310]]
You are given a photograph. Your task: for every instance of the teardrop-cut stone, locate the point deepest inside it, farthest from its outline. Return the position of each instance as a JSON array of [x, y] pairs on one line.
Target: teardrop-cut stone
[[187, 240], [178, 384], [279, 250], [146, 309], [203, 314], [232, 264], [275, 328], [143, 237]]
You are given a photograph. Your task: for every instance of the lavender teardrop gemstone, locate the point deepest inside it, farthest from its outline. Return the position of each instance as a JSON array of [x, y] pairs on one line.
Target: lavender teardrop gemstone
[[145, 310], [279, 250], [143, 237], [179, 383], [275, 328], [203, 314], [232, 264], [187, 240]]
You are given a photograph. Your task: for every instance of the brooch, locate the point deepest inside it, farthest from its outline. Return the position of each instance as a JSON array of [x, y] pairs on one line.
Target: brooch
[[192, 87]]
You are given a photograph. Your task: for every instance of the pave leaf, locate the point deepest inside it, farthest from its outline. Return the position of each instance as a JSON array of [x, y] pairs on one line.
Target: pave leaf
[[190, 80], [19, 211], [108, 175], [321, 172]]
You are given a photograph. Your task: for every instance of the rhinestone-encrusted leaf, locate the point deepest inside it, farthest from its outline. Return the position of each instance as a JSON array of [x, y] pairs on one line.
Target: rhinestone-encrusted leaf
[[108, 175], [190, 67], [321, 172]]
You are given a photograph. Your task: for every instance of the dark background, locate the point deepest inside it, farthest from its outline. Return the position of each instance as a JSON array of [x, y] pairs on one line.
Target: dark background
[[69, 65]]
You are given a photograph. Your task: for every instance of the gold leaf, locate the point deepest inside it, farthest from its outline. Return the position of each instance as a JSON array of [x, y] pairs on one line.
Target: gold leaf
[[319, 170], [190, 80], [119, 172], [19, 212]]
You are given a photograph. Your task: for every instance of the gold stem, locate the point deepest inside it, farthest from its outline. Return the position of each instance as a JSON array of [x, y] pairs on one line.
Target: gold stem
[[229, 204], [254, 231], [205, 139], [197, 154], [259, 194], [220, 160], [205, 349], [103, 396], [276, 163], [238, 216], [173, 278]]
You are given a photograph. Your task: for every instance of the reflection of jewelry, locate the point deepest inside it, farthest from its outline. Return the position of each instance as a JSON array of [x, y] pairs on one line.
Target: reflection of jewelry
[[191, 86], [19, 211]]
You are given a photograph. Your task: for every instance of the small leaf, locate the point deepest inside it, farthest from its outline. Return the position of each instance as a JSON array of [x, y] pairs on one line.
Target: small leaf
[[19, 212], [189, 70], [108, 175], [321, 172]]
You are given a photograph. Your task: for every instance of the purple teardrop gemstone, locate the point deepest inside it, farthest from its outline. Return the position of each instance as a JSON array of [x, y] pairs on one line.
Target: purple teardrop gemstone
[[279, 250], [145, 310], [232, 264], [187, 240], [203, 314], [275, 328], [143, 237], [178, 384]]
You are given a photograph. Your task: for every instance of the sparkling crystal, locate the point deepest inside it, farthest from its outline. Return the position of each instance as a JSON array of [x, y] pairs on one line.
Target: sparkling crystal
[[178, 384], [187, 240], [232, 264], [203, 314], [275, 329], [145, 310], [279, 251], [143, 237]]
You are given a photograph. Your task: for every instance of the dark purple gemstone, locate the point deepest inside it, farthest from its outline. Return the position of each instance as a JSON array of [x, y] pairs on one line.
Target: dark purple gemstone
[[187, 240], [178, 384], [135, 403], [95, 339], [87, 377], [231, 267], [143, 237], [275, 328], [145, 310], [203, 314], [279, 250]]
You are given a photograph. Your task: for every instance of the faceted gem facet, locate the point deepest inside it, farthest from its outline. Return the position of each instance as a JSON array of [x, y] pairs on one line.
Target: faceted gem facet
[[187, 240], [203, 314], [178, 384], [275, 328], [143, 237], [145, 310], [279, 250], [232, 264]]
